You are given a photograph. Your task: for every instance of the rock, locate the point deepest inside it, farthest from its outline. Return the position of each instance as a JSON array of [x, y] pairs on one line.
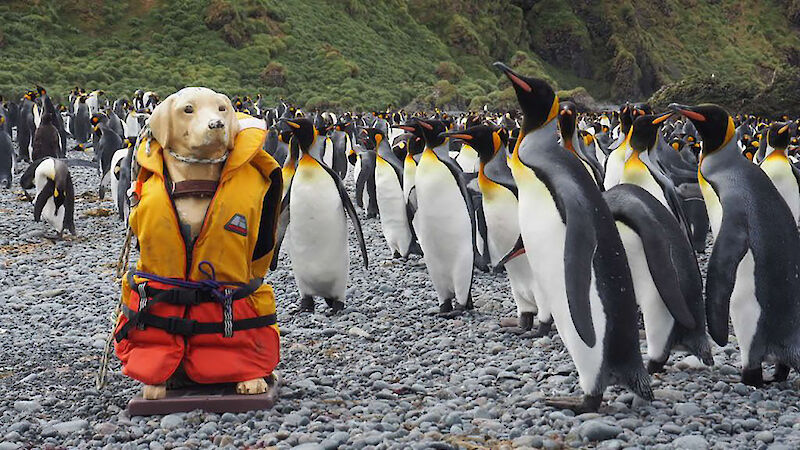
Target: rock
[[765, 436], [691, 362], [596, 430], [691, 442], [308, 446], [672, 395], [356, 331], [106, 428], [27, 406], [9, 446], [71, 426], [687, 409], [171, 421], [52, 293]]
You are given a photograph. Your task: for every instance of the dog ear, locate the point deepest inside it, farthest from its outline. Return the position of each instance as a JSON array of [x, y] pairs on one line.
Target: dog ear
[[161, 122], [231, 122]]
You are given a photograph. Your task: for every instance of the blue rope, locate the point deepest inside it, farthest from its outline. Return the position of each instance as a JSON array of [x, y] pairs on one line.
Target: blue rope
[[211, 284]]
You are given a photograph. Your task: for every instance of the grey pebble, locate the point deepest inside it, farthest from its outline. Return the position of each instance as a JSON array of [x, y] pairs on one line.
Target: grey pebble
[[597, 430]]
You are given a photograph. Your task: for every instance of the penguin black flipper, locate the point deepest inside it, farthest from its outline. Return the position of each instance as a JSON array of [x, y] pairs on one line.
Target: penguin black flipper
[[41, 199], [656, 247], [350, 210], [729, 249], [579, 253], [283, 225], [501, 177]]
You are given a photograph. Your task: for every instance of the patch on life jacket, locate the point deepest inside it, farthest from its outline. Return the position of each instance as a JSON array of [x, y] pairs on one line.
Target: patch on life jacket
[[237, 224]]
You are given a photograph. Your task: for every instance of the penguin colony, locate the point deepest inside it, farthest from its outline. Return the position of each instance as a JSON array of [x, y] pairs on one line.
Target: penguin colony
[[594, 217]]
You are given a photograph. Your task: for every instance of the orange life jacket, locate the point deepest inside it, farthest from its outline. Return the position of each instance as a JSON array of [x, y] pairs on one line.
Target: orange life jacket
[[195, 327]]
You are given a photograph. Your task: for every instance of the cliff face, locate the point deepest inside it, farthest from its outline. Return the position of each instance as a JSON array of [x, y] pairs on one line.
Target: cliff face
[[430, 53]]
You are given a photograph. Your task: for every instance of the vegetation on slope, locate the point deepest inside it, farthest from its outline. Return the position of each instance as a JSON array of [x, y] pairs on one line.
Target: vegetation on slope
[[426, 53]]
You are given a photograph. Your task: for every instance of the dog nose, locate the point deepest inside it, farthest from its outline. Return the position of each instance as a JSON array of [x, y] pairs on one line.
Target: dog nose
[[216, 123]]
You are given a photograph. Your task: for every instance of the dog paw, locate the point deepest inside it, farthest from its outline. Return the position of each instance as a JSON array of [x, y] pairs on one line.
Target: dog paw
[[154, 392], [250, 387]]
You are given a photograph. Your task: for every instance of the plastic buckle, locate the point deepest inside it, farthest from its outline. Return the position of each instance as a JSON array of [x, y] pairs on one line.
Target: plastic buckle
[[177, 325], [143, 300]]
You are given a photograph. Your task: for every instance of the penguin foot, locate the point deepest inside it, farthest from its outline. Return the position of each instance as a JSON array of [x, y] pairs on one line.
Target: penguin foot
[[655, 366], [526, 321], [753, 377], [446, 307], [544, 329], [306, 305], [781, 373], [457, 310], [586, 404], [335, 306]]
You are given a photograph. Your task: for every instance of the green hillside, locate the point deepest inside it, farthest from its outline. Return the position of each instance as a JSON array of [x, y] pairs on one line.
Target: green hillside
[[371, 54]]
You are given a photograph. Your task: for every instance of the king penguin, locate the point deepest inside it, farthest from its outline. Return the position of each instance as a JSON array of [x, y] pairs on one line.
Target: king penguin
[[445, 222], [641, 171], [7, 159], [567, 127], [500, 205], [395, 222], [776, 165], [754, 267], [575, 252], [317, 203], [55, 195], [666, 278], [615, 162]]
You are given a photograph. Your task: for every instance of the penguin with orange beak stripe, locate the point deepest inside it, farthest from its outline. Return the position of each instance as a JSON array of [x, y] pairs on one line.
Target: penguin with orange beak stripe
[[314, 213], [754, 268], [445, 221], [567, 127], [780, 170], [501, 208], [575, 253]]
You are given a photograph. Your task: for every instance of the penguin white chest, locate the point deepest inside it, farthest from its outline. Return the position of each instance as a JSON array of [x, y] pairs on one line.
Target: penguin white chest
[[713, 205], [780, 172], [640, 175], [658, 321], [744, 307], [317, 233], [614, 166], [501, 209], [392, 205], [443, 225]]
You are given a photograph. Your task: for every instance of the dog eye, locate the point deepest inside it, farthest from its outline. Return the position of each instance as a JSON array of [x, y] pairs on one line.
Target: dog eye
[[223, 108], [188, 109]]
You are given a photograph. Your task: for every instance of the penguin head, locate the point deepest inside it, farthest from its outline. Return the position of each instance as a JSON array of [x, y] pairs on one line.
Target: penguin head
[[304, 132], [41, 91], [431, 131], [537, 99], [567, 120], [645, 131], [484, 139], [778, 135], [373, 138], [713, 123], [626, 117]]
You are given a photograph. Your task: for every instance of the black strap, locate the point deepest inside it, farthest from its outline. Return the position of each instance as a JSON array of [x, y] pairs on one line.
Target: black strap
[[189, 327], [190, 297]]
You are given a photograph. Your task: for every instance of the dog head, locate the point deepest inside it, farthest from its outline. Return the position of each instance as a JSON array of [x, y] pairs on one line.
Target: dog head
[[195, 122]]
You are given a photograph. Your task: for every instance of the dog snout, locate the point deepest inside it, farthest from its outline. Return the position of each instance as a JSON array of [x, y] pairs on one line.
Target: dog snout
[[216, 123]]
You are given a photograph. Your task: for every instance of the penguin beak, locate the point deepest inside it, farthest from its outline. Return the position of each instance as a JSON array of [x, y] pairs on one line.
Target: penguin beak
[[425, 124], [783, 129], [660, 119], [456, 135], [688, 112], [519, 82], [292, 124], [408, 128]]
